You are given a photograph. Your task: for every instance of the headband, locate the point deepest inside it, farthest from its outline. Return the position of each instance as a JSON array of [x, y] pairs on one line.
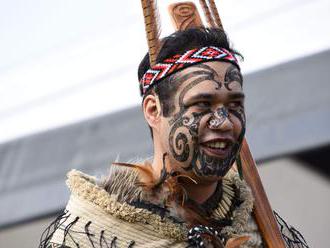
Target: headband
[[180, 61]]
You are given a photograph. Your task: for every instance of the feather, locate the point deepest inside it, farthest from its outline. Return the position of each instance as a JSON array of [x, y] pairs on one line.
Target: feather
[[215, 14], [207, 13], [152, 27], [236, 242], [145, 173], [168, 189]]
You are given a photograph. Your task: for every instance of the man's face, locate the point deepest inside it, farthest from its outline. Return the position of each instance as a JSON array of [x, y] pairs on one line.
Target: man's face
[[204, 132]]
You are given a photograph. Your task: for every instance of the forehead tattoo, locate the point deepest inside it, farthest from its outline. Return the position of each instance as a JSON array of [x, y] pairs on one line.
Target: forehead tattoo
[[184, 131], [233, 75]]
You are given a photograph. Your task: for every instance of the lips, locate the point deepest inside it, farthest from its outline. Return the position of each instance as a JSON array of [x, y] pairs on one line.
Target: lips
[[217, 147]]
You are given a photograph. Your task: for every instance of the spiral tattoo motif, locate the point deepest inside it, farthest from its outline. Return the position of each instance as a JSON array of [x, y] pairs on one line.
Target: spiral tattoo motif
[[185, 15], [182, 148]]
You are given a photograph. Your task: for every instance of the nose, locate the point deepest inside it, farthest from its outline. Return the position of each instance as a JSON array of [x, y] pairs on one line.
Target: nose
[[219, 120], [227, 125]]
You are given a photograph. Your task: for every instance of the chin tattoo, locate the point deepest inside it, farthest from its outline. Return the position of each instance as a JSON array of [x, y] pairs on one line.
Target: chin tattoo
[[184, 132]]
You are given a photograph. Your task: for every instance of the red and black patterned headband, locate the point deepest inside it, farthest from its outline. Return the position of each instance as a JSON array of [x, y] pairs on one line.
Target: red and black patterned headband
[[180, 61]]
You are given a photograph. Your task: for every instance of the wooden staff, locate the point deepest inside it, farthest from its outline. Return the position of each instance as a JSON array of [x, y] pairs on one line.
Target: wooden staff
[[262, 210]]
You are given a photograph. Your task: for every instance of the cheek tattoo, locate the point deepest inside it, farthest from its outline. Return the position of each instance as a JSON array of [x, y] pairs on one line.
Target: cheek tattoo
[[183, 138], [184, 133]]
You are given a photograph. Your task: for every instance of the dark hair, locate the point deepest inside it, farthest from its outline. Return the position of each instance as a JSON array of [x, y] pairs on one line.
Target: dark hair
[[178, 43]]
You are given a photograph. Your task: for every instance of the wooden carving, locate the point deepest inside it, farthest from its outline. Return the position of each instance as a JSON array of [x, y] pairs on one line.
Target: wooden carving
[[185, 15]]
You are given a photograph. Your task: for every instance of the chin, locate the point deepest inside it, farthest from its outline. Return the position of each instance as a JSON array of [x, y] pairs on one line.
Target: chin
[[204, 167], [207, 178], [212, 167]]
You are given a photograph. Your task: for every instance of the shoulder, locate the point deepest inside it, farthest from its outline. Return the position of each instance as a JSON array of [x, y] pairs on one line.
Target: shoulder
[[95, 217]]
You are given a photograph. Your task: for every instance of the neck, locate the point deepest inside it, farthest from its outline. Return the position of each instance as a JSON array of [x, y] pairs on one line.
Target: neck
[[200, 192], [157, 164]]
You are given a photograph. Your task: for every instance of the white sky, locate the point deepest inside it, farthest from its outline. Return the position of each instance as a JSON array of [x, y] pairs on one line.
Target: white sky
[[65, 61]]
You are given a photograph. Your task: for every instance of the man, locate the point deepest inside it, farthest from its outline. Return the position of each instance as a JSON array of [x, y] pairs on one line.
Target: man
[[197, 120], [196, 115], [188, 195]]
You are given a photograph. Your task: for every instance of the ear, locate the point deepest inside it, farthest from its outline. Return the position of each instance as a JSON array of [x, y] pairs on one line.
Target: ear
[[152, 110]]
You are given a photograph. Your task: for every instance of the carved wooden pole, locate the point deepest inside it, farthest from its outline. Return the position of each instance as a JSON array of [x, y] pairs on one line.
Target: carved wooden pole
[[185, 15], [262, 210]]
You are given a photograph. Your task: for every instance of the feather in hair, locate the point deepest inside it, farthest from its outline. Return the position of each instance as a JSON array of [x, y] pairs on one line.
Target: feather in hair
[[207, 13], [215, 14], [152, 27]]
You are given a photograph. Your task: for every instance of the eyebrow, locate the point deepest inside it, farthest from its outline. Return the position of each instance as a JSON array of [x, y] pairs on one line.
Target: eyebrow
[[200, 96], [210, 96], [236, 95]]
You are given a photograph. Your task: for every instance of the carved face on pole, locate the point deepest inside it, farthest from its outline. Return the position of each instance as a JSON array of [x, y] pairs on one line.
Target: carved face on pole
[[204, 132]]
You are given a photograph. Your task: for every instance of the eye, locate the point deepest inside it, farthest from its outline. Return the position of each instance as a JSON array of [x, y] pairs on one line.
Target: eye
[[202, 104], [235, 104]]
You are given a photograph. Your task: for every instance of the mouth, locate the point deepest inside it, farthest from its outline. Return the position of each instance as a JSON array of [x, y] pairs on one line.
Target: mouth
[[219, 148]]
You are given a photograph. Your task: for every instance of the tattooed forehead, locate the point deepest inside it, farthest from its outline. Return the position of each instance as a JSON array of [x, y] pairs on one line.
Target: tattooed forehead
[[217, 71], [215, 67], [207, 78]]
